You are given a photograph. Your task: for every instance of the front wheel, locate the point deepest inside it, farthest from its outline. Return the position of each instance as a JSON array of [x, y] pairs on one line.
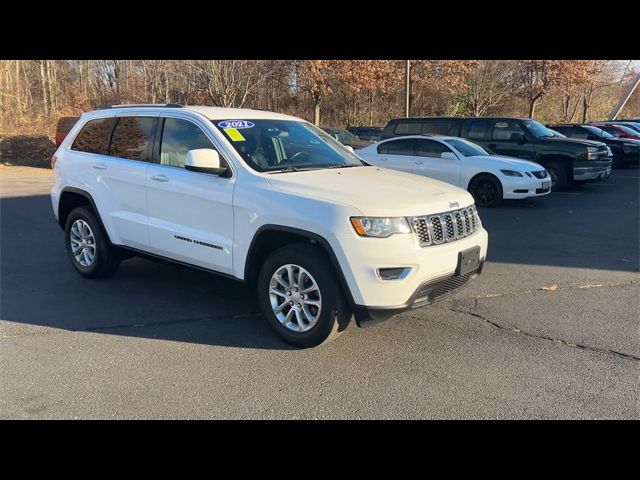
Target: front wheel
[[558, 176], [486, 191], [300, 296]]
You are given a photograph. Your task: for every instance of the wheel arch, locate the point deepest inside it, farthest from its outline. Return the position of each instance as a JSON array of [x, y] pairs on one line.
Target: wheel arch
[[70, 198], [265, 239], [482, 174]]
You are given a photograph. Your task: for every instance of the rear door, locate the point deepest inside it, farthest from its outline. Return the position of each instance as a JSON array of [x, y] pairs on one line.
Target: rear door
[[115, 155], [429, 162], [190, 213]]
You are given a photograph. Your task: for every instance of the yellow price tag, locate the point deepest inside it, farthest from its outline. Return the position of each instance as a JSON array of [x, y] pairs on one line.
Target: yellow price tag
[[234, 134]]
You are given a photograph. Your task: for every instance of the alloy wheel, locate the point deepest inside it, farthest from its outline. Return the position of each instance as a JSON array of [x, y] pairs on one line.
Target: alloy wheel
[[295, 298], [83, 243]]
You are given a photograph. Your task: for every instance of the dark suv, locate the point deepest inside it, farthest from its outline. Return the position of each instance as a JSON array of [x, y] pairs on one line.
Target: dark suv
[[371, 134], [569, 161], [625, 151]]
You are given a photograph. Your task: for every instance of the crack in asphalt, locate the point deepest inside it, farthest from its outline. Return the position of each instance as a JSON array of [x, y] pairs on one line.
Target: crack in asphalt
[[515, 329], [555, 288]]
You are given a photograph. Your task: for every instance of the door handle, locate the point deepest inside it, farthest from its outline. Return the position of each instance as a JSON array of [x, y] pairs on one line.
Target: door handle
[[419, 163], [99, 166], [160, 178], [383, 159]]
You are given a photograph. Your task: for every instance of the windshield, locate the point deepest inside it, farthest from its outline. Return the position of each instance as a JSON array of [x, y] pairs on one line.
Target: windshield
[[285, 145], [537, 129], [598, 132], [468, 149]]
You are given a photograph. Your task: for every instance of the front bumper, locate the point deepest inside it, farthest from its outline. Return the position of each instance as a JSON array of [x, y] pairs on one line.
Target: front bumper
[[602, 170], [371, 293], [525, 187], [428, 293]]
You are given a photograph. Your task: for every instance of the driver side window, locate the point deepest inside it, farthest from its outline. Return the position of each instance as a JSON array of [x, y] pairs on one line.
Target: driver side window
[[431, 148], [178, 137], [503, 130]]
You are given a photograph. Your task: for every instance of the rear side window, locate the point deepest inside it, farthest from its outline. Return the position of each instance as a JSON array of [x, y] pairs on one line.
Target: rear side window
[[178, 137], [440, 126], [398, 147], [94, 136], [133, 137], [475, 130], [408, 128]]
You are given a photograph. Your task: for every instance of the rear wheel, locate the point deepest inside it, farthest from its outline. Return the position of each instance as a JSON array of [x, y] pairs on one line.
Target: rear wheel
[[558, 175], [486, 190], [300, 296], [87, 245]]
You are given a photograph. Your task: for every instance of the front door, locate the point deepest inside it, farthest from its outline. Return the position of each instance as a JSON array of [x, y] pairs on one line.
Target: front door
[[190, 213], [429, 162], [508, 138]]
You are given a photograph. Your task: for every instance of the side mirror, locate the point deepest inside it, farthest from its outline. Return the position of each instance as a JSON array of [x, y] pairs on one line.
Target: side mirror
[[449, 156], [204, 160], [517, 137], [350, 148]]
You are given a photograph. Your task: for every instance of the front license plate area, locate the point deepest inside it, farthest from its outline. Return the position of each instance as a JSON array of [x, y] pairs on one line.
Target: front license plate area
[[468, 261]]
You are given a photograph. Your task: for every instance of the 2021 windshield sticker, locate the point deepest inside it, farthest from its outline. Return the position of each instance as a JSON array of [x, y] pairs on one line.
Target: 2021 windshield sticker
[[238, 124]]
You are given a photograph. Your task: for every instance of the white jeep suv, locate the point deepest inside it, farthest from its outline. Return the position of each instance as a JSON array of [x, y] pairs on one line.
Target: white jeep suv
[[263, 198]]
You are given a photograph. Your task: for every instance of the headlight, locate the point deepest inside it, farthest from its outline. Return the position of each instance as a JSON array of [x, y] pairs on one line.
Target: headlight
[[512, 173], [380, 227], [591, 152]]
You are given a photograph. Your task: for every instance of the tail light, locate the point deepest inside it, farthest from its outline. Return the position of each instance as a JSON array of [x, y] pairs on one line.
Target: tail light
[[59, 138], [54, 159]]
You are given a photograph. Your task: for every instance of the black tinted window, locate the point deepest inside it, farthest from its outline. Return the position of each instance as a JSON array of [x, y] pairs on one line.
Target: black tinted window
[[476, 130], [430, 148], [132, 138], [178, 137], [440, 126], [94, 136], [503, 130], [408, 128], [400, 147]]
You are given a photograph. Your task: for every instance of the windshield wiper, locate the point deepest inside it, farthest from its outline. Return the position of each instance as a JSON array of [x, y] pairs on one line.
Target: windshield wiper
[[342, 166]]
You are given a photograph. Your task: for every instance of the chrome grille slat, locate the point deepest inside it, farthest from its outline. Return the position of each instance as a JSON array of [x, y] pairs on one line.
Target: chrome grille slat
[[445, 227]]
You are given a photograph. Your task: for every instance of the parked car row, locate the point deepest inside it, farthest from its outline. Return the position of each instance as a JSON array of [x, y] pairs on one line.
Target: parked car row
[[625, 150]]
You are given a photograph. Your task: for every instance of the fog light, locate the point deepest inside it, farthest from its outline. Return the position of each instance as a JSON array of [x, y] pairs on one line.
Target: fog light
[[397, 273]]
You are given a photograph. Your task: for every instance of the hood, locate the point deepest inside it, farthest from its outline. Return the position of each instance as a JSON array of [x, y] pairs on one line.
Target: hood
[[500, 161], [576, 142], [375, 191]]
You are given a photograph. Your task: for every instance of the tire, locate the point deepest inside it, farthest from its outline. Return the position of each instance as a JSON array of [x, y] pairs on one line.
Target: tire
[[321, 321], [486, 190], [82, 224], [558, 174]]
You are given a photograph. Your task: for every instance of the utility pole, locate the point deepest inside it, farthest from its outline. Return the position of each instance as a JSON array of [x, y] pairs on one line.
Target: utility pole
[[407, 87], [616, 111]]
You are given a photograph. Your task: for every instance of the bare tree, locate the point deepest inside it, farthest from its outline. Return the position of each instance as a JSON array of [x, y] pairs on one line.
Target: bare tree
[[487, 87]]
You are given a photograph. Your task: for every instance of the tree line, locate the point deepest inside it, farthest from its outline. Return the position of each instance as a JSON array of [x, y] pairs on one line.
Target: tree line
[[34, 93]]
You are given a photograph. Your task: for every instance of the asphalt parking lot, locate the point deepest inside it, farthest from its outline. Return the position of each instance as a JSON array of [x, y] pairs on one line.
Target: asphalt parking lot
[[550, 330]]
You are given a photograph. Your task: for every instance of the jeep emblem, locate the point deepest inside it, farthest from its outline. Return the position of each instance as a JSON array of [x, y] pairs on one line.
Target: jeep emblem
[[454, 204]]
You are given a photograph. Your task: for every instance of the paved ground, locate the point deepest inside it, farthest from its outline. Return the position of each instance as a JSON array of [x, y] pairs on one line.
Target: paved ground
[[550, 330]]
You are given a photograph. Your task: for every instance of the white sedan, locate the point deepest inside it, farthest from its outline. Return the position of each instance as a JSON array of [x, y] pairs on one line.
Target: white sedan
[[489, 178]]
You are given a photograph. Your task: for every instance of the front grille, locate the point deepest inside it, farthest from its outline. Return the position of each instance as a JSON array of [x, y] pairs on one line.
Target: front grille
[[440, 289], [540, 174], [446, 227]]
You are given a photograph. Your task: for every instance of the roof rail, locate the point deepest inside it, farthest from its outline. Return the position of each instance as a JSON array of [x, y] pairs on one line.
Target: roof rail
[[136, 105]]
